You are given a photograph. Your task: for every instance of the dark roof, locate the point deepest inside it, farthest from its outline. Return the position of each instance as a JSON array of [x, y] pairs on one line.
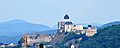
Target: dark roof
[[68, 23], [66, 17], [89, 25], [85, 27]]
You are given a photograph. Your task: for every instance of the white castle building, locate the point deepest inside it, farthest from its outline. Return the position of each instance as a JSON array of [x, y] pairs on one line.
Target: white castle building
[[67, 26]]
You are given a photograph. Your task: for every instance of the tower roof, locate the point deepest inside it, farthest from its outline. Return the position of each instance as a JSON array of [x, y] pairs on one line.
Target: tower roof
[[66, 17], [68, 23]]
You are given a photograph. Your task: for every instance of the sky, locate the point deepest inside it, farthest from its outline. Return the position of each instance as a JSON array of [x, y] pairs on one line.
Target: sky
[[49, 12]]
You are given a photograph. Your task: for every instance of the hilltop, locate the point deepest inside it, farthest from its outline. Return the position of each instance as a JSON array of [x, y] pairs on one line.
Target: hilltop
[[18, 27], [107, 37]]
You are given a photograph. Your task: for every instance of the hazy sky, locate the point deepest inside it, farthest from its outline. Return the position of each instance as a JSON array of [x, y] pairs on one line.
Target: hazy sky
[[49, 12]]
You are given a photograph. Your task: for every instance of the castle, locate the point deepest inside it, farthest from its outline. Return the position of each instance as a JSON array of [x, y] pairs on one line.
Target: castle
[[67, 26]]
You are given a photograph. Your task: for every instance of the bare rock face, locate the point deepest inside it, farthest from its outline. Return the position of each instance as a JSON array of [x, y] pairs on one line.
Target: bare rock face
[[58, 37]]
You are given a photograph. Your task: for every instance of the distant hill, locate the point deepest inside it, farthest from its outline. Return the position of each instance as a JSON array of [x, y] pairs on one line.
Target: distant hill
[[55, 26], [52, 31], [47, 32], [18, 27], [8, 40], [12, 31], [110, 24]]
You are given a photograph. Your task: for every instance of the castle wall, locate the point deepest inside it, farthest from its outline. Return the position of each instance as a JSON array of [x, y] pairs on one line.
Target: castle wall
[[38, 38]]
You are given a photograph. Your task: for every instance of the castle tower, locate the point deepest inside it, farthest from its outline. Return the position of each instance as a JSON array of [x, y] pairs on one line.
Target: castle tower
[[65, 25], [68, 24], [66, 18]]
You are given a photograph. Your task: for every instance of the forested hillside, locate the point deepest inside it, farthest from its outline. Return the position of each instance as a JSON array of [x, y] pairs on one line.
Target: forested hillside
[[108, 37]]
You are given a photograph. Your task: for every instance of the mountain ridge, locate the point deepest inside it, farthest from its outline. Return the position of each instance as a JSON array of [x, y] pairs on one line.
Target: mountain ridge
[[110, 24], [18, 26], [11, 31]]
